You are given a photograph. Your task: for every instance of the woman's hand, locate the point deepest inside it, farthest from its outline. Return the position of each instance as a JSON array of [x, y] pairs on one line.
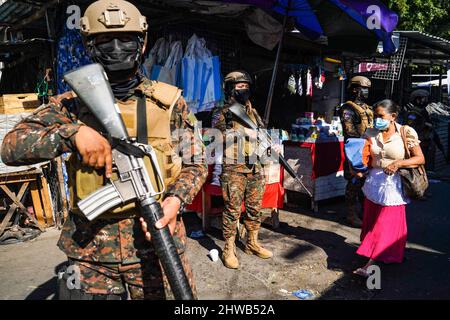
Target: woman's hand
[[392, 168], [170, 206]]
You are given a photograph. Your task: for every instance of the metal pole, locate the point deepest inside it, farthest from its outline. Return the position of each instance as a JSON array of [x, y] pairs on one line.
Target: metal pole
[[440, 83], [275, 69], [50, 24]]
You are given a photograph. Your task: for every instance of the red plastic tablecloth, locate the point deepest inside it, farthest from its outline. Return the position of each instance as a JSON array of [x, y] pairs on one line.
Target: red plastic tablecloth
[[273, 194], [327, 157]]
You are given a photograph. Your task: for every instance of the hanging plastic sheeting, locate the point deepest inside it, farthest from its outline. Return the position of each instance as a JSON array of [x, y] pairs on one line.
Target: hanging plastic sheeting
[[201, 77], [156, 59], [262, 29], [315, 18], [71, 55], [170, 72]]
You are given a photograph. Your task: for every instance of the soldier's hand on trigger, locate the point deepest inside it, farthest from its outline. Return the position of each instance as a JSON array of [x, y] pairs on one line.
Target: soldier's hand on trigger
[[94, 149], [170, 206]]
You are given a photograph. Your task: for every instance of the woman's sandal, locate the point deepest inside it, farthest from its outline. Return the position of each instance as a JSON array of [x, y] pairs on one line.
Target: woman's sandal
[[362, 272]]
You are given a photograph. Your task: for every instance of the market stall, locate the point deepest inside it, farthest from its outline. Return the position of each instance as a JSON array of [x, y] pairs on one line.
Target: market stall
[[33, 196], [208, 204], [192, 46]]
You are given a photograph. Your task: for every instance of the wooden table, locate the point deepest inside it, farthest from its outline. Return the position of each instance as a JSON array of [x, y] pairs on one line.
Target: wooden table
[[35, 182]]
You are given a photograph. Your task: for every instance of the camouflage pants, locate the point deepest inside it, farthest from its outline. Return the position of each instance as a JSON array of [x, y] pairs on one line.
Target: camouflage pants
[[354, 197], [238, 187], [143, 281]]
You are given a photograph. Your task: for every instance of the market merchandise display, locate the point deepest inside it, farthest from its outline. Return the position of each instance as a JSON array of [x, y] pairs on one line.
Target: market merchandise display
[[196, 70], [308, 128]]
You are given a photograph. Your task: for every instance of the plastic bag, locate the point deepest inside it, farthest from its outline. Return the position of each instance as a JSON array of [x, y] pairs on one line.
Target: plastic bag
[[169, 73], [201, 77], [156, 59]]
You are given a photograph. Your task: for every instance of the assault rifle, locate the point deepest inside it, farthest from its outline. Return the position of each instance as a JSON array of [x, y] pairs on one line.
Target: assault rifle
[[238, 111], [92, 87]]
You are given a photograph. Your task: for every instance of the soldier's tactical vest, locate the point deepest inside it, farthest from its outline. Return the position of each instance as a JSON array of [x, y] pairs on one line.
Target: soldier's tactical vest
[[365, 114], [248, 148], [161, 99]]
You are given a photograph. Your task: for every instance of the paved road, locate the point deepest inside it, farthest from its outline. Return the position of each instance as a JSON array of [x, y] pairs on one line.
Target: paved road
[[313, 251]]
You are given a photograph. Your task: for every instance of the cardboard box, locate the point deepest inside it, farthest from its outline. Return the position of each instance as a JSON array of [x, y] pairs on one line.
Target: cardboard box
[[18, 103]]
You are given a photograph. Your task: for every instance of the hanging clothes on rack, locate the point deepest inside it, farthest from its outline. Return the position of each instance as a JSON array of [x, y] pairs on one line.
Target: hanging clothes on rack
[[309, 83], [292, 84], [300, 82], [319, 79]]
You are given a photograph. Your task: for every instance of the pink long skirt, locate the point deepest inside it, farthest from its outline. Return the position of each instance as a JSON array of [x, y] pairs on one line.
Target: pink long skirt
[[383, 234]]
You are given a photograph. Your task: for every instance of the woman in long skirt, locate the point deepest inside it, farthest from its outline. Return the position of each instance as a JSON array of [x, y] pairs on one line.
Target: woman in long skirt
[[384, 230]]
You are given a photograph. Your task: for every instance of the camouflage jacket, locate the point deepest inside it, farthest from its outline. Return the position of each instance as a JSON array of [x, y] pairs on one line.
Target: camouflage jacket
[[50, 131], [232, 161]]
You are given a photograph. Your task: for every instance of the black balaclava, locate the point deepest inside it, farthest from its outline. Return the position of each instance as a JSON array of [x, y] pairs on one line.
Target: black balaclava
[[121, 61], [421, 101], [361, 95], [239, 95]]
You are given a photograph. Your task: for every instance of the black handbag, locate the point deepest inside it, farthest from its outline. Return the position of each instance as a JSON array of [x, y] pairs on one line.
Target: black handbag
[[414, 180]]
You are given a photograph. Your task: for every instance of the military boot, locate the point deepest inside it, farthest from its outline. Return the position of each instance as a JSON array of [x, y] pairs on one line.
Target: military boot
[[229, 254], [253, 247]]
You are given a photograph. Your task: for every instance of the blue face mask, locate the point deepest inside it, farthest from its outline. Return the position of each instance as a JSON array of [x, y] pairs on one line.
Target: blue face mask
[[381, 124]]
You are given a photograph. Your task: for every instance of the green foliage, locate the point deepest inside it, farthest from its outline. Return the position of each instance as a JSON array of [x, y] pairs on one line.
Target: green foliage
[[430, 16]]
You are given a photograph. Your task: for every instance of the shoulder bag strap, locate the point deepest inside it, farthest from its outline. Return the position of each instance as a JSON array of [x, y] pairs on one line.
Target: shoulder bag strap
[[403, 134]]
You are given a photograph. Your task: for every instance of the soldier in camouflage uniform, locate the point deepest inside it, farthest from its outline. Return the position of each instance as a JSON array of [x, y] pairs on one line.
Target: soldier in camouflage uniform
[[240, 179], [356, 116], [415, 115], [113, 254]]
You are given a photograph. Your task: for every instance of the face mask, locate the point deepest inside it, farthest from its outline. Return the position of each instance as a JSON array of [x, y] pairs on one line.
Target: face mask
[[381, 124], [364, 93], [241, 95], [422, 102], [119, 58]]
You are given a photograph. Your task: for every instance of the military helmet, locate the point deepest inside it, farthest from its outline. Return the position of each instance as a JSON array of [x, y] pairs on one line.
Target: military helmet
[[360, 81], [418, 93], [105, 16], [238, 76]]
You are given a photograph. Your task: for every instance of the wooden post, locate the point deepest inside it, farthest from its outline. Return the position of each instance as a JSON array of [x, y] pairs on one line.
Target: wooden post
[[39, 213], [46, 201]]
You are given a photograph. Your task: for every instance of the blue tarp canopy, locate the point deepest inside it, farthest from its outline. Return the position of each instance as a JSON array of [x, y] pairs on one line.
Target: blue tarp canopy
[[336, 18]]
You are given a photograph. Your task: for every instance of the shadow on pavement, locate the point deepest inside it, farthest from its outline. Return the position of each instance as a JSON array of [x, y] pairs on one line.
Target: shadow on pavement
[[48, 288]]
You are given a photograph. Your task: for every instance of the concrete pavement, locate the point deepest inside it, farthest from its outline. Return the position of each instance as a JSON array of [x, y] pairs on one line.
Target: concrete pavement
[[312, 251]]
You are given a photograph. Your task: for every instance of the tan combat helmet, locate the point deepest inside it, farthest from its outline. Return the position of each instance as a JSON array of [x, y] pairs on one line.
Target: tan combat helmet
[[360, 81], [112, 16], [238, 76], [419, 93]]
